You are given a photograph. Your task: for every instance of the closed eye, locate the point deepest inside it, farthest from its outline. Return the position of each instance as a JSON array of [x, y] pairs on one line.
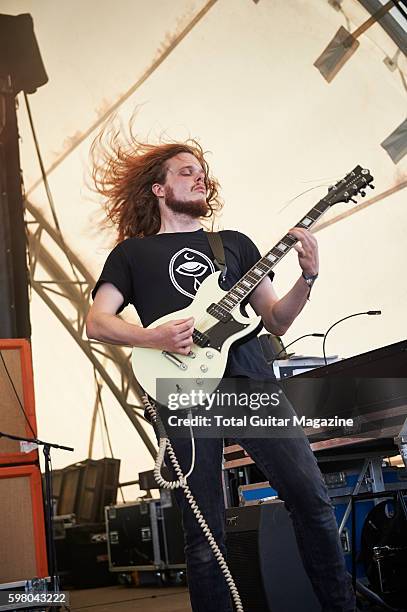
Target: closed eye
[[192, 268], [191, 170]]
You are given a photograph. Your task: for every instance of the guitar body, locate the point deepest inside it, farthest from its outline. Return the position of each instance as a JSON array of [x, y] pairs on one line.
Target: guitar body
[[161, 373]]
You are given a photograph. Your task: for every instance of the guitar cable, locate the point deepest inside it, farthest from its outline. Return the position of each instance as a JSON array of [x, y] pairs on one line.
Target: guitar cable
[[165, 445]]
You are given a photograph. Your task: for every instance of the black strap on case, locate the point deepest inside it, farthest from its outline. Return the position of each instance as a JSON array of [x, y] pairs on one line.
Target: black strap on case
[[216, 244]]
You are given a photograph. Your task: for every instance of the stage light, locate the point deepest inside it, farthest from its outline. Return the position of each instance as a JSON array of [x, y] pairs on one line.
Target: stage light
[[396, 143], [344, 44]]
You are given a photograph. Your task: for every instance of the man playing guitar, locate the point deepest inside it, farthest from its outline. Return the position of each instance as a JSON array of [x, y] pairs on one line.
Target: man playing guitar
[[157, 196]]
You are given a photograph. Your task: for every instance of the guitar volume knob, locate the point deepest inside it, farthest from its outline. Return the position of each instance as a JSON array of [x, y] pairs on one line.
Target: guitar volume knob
[[209, 354]]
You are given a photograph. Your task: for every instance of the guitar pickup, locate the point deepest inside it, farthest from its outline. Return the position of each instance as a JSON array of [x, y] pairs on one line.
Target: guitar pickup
[[220, 313], [200, 339]]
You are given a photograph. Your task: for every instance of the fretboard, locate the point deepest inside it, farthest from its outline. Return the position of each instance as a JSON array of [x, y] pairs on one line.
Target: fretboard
[[264, 266]]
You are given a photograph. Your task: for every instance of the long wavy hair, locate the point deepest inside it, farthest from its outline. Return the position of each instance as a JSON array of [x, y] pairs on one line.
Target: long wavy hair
[[124, 170]]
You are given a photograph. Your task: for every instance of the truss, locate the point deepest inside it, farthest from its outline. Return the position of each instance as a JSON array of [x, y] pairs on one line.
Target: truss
[[64, 284], [67, 286]]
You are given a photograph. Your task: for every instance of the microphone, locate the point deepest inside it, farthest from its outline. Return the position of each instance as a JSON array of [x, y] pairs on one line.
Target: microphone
[[356, 314], [316, 335]]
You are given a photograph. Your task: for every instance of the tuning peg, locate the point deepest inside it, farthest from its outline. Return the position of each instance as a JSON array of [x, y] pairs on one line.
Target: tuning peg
[[362, 193], [371, 186], [352, 200]]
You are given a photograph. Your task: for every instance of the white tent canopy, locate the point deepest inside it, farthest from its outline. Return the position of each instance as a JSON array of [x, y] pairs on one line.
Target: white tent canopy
[[239, 76]]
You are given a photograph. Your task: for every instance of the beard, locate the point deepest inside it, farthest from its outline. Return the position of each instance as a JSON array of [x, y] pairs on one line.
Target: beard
[[193, 208]]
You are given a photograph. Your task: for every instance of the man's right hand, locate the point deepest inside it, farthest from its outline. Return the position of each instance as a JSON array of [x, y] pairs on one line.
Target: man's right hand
[[174, 336], [104, 325]]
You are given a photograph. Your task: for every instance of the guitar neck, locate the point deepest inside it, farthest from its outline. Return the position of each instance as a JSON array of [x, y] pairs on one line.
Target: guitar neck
[[264, 266]]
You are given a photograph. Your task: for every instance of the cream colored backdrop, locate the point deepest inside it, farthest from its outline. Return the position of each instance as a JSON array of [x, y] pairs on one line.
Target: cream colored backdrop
[[243, 82]]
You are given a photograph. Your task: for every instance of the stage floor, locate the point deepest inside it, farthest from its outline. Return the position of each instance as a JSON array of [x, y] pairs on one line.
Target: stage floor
[[129, 599]]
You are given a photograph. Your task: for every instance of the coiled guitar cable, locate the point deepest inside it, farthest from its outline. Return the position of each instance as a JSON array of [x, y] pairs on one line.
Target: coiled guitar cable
[[165, 445]]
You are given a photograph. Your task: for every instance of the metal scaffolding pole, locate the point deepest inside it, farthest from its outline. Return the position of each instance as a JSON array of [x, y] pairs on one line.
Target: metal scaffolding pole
[[66, 292]]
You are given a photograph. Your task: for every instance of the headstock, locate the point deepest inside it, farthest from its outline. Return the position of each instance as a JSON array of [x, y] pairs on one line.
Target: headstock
[[351, 185]]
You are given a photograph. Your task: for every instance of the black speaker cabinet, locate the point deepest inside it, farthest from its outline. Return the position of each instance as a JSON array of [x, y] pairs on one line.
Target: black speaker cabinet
[[264, 560]]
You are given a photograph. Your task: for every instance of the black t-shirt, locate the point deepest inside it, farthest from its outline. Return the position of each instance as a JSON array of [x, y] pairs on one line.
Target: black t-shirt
[[161, 274]]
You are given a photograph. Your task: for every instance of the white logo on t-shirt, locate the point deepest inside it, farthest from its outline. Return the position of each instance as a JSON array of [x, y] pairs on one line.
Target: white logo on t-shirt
[[187, 270]]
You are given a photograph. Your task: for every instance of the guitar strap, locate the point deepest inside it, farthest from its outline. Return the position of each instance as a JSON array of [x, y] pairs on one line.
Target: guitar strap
[[216, 244]]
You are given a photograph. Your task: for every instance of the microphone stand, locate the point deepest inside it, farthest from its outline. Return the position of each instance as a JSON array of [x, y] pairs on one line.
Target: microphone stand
[[52, 561], [356, 314]]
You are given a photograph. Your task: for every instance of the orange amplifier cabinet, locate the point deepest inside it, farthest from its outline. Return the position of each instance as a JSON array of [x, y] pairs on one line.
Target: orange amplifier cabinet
[[17, 406], [22, 529]]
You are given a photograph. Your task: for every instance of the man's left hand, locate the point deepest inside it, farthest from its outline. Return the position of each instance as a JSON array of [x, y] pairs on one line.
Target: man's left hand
[[307, 249]]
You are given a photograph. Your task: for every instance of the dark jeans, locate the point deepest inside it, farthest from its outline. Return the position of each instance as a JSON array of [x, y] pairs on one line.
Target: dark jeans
[[292, 470]]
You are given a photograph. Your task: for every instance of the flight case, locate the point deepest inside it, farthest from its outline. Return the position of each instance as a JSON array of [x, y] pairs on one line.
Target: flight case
[[145, 535]]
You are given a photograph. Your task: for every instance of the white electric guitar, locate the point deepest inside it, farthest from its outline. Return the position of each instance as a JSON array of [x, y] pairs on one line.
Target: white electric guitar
[[218, 320]]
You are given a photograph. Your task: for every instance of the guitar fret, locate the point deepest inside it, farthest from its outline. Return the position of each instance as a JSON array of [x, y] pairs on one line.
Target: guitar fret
[[314, 214], [324, 207], [290, 239], [264, 266], [251, 278]]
